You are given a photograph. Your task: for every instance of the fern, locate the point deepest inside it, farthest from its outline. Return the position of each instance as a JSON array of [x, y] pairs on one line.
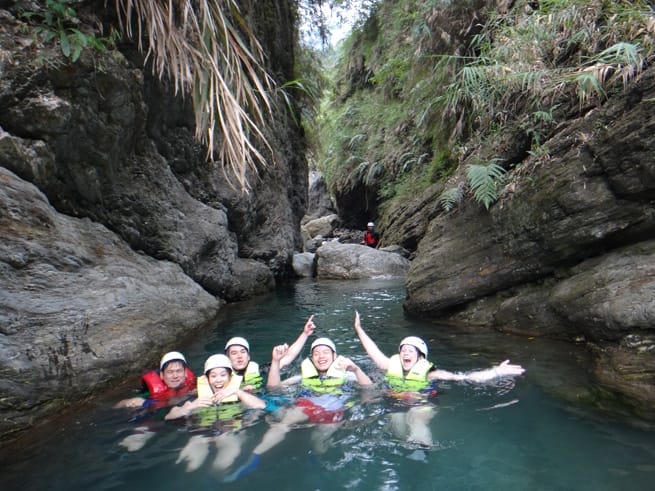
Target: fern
[[484, 180], [451, 198], [376, 169]]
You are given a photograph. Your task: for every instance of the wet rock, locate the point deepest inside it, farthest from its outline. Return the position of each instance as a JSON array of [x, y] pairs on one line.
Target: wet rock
[[353, 261], [319, 203], [81, 309], [628, 369], [323, 226], [304, 264]]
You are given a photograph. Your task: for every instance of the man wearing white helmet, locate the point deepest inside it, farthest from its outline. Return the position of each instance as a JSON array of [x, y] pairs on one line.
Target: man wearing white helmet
[[409, 375], [163, 387], [238, 350], [371, 237], [322, 400], [216, 406]]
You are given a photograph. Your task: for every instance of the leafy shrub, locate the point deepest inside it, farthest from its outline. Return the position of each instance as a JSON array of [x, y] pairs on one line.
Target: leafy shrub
[[56, 20]]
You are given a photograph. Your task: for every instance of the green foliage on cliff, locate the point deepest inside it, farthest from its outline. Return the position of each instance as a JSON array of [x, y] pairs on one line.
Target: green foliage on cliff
[[57, 20], [426, 90]]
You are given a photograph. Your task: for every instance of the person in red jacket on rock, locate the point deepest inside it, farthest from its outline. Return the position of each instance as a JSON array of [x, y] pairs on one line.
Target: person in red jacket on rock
[[371, 237]]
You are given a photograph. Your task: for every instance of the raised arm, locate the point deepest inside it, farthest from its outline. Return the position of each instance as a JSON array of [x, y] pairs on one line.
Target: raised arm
[[349, 365], [379, 358], [479, 376], [273, 379], [297, 346]]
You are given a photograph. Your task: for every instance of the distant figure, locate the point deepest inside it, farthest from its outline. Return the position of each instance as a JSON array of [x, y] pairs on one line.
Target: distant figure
[[371, 237]]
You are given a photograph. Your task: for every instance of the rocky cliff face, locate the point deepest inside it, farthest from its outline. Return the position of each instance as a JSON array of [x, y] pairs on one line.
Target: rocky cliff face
[[107, 153], [568, 250]]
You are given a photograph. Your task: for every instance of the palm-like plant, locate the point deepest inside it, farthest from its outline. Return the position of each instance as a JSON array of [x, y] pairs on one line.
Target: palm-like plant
[[207, 50]]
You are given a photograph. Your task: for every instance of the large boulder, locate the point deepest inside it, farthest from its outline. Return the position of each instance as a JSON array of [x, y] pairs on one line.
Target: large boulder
[[304, 264], [353, 261], [322, 226], [78, 308]]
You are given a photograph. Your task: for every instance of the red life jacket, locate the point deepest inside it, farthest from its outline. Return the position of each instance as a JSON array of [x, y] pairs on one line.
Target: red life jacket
[[160, 392], [371, 238]]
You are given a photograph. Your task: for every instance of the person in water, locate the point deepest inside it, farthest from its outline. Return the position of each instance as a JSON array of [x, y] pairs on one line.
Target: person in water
[[220, 406], [238, 351], [409, 377], [371, 237], [165, 386], [160, 388], [323, 399]]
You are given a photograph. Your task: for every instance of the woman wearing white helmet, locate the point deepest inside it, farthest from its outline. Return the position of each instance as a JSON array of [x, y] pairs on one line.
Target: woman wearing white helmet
[[217, 386], [216, 406], [410, 374], [412, 349]]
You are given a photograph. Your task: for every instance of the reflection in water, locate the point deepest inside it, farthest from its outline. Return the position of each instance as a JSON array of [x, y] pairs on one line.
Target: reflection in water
[[509, 434]]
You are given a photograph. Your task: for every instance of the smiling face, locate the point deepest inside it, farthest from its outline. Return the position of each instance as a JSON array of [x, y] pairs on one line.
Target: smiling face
[[173, 374], [408, 356], [322, 357], [218, 378], [239, 356]]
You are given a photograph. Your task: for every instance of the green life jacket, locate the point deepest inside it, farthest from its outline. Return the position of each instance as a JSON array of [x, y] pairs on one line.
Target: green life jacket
[[230, 412], [228, 409], [330, 383], [413, 381], [252, 376]]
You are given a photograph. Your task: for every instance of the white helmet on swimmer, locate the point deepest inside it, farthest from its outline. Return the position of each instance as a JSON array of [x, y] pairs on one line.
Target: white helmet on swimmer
[[417, 342], [238, 341], [217, 361], [370, 224], [171, 356], [323, 342]]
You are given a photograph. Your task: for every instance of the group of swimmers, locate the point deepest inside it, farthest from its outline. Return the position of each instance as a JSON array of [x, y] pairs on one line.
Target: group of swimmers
[[232, 381]]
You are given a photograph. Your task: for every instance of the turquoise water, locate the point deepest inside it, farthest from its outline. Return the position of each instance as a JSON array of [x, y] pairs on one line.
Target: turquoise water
[[512, 434]]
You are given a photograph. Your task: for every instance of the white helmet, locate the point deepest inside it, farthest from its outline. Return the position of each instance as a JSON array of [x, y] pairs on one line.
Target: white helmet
[[238, 342], [323, 342], [370, 224], [418, 343], [171, 356], [217, 361]]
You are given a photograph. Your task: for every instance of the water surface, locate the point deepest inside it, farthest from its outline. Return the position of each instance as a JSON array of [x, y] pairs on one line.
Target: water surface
[[511, 434]]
